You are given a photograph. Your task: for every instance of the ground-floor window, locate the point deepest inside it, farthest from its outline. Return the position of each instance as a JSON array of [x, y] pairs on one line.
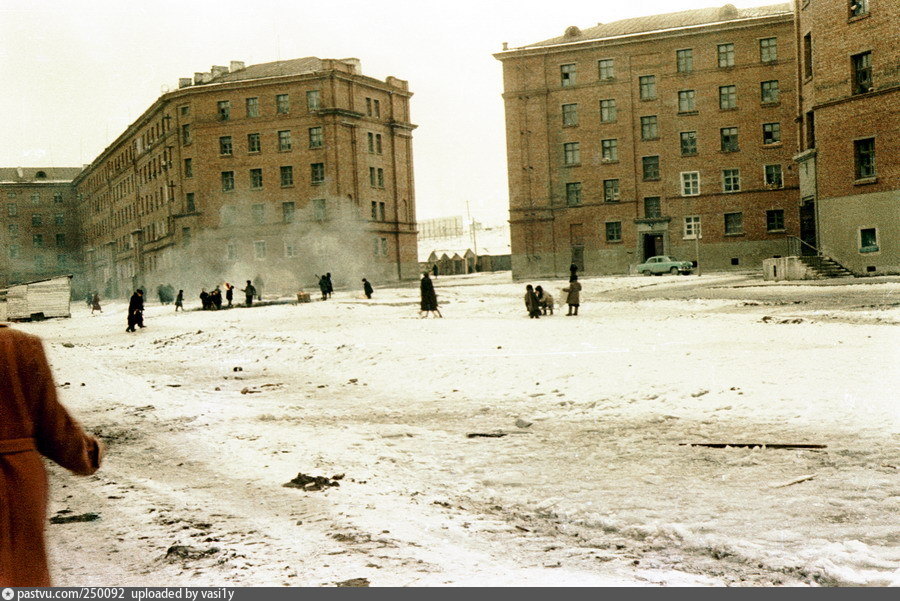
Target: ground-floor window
[[868, 240], [613, 231], [775, 220]]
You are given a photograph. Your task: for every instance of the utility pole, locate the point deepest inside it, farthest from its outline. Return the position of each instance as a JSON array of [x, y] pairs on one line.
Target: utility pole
[[697, 244], [474, 235]]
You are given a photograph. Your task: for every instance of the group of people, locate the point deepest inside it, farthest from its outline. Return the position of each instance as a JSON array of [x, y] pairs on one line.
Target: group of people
[[540, 302], [213, 300], [326, 287]]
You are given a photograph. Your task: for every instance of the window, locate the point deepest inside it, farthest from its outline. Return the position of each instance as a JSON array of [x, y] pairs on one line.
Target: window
[[649, 128], [57, 198], [771, 133], [259, 249], [610, 190], [567, 75], [731, 180], [37, 240], [288, 211], [317, 173], [224, 109], [807, 56], [606, 68], [862, 72], [59, 219], [775, 220], [650, 167], [768, 50], [282, 104], [859, 8], [189, 167], [570, 114], [36, 220], [868, 240], [652, 208], [571, 153], [376, 108], [374, 211], [315, 137], [253, 107], [258, 213], [184, 110], [692, 229], [35, 199], [613, 231], [319, 209], [12, 209], [734, 224], [14, 251], [727, 97], [231, 251], [768, 91], [287, 176], [690, 183], [726, 55], [609, 150], [648, 87], [377, 143], [573, 194], [376, 177], [284, 140], [290, 249], [773, 176], [312, 100], [60, 239], [225, 145], [864, 153], [607, 111], [13, 229], [227, 181], [688, 143], [729, 137], [253, 143], [189, 202], [684, 60], [380, 175], [186, 134], [381, 211], [256, 179], [686, 101]]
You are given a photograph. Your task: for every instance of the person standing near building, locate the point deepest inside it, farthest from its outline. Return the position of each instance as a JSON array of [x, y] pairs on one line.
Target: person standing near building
[[229, 293], [34, 423], [330, 285], [323, 287], [179, 301], [204, 299], [573, 295], [95, 304], [136, 310], [367, 288], [249, 293], [429, 297], [531, 303]]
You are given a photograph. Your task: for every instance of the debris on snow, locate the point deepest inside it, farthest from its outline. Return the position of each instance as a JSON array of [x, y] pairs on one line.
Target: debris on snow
[[61, 518], [794, 481], [521, 423], [68, 345], [750, 445], [185, 552], [353, 582], [486, 435], [313, 483]]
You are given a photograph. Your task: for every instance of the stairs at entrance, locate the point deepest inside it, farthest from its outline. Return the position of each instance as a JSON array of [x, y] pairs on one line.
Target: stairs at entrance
[[825, 267]]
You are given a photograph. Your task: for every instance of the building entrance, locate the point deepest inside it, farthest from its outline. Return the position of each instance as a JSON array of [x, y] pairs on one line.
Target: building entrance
[[808, 228], [653, 245]]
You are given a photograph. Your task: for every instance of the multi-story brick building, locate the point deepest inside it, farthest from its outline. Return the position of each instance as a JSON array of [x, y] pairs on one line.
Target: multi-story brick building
[[272, 172], [849, 113], [627, 139], [40, 236]]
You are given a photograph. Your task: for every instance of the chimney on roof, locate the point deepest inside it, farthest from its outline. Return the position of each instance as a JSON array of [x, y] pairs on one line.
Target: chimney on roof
[[184, 82], [354, 64], [236, 66], [201, 78], [218, 70], [506, 45]]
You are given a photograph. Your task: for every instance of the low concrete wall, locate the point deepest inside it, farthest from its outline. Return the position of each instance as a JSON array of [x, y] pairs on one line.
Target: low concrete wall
[[786, 268]]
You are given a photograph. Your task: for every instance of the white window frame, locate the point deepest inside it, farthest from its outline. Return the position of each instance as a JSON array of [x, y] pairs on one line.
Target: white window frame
[[735, 182], [684, 181], [692, 227]]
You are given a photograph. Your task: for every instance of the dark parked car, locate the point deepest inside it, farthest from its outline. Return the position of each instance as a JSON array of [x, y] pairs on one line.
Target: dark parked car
[[663, 264]]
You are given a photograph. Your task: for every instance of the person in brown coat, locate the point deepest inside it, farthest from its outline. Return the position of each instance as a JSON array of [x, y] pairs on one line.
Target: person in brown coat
[[34, 423], [573, 295]]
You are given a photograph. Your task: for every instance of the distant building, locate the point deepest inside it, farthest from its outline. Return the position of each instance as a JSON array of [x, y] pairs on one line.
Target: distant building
[[274, 172], [40, 237], [630, 139], [457, 248], [848, 58]]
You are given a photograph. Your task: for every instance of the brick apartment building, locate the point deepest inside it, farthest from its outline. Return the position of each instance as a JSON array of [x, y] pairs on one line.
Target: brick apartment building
[[39, 237], [627, 139], [272, 172], [849, 113]]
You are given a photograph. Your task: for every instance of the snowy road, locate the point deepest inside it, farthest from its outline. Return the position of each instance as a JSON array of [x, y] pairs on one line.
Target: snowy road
[[599, 490]]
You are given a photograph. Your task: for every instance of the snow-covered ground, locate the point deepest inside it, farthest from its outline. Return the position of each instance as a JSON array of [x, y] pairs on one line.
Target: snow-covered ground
[[207, 414]]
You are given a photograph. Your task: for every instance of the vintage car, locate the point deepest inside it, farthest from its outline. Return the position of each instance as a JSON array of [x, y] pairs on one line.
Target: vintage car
[[663, 264]]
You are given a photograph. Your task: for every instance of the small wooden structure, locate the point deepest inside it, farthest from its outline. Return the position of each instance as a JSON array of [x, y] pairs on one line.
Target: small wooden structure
[[41, 299]]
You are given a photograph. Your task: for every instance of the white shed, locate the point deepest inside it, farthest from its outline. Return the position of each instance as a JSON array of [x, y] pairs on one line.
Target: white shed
[[37, 300]]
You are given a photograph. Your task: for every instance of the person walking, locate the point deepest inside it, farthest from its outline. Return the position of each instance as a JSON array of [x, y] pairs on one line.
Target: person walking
[[95, 304], [229, 293], [573, 295], [249, 293], [179, 301], [367, 288], [204, 299], [429, 297], [330, 285], [136, 310], [545, 300], [34, 423], [531, 303], [323, 287]]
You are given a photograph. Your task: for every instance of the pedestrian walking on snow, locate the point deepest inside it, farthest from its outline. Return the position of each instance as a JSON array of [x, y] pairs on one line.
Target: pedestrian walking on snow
[[179, 301], [429, 297], [229, 293], [573, 295], [367, 288], [249, 293], [330, 285], [34, 423], [136, 310], [531, 303], [95, 304]]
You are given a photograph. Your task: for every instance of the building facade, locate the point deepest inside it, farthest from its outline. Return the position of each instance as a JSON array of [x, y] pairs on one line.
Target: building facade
[[39, 233], [273, 172], [848, 66], [668, 135]]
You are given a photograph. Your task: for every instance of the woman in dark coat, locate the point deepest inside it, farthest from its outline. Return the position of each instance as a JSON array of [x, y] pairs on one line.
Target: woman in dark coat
[[367, 288], [323, 287], [429, 297], [531, 303], [34, 423]]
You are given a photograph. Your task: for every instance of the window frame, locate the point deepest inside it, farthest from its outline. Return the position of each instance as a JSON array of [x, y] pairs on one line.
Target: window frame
[[573, 194], [728, 97], [571, 153], [729, 142], [608, 110], [768, 53], [647, 87], [771, 133], [763, 89], [775, 217], [726, 51], [606, 69], [734, 226], [612, 231], [568, 75], [860, 153], [651, 126], [609, 150], [684, 60], [687, 101], [653, 174], [731, 180], [611, 190], [570, 114], [692, 137], [686, 186], [772, 184]]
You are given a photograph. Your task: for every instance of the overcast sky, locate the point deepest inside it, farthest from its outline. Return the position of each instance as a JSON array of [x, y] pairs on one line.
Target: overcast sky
[[75, 74]]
